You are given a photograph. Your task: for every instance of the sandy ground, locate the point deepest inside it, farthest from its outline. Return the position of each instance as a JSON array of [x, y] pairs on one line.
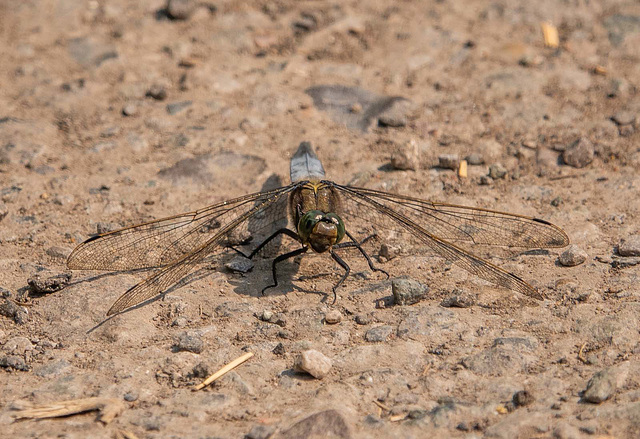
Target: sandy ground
[[113, 113]]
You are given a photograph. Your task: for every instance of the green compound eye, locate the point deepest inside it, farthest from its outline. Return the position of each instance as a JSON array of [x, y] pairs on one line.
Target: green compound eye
[[307, 222], [339, 225]]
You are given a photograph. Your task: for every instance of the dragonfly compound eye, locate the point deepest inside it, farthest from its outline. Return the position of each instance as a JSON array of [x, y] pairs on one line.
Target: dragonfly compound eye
[[307, 223], [335, 219]]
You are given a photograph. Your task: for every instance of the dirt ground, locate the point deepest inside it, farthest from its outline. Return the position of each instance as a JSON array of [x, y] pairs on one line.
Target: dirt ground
[[114, 113]]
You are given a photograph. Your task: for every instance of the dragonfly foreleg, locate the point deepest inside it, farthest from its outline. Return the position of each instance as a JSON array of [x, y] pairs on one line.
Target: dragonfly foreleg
[[347, 269], [291, 254], [358, 245]]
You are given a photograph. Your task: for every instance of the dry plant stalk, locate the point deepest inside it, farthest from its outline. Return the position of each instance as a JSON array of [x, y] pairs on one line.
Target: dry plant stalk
[[550, 35], [109, 408], [232, 365]]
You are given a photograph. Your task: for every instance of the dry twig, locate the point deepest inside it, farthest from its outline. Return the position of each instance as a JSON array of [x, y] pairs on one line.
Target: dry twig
[[235, 363], [109, 408]]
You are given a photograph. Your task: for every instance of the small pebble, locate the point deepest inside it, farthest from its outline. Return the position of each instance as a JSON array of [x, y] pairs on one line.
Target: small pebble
[[522, 398], [18, 345], [239, 264], [314, 363], [387, 252], [190, 343], [50, 284], [14, 362], [332, 317], [475, 159], [629, 246], [624, 118], [497, 171], [131, 396], [378, 334], [260, 432], [363, 319], [485, 180], [180, 9], [449, 161], [157, 92], [266, 315], [572, 256], [177, 107], [459, 299], [58, 252], [279, 349], [180, 322], [600, 387], [201, 370], [579, 154], [408, 291], [129, 110], [397, 114]]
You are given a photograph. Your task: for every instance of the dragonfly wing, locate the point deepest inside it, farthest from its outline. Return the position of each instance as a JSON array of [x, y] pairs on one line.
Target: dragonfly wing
[[161, 242], [262, 211], [470, 224], [419, 218]]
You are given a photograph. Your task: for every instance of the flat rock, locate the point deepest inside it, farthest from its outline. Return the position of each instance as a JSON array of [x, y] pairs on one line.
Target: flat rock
[[601, 386], [49, 284], [240, 264], [629, 246], [408, 291], [572, 256], [327, 424], [379, 333]]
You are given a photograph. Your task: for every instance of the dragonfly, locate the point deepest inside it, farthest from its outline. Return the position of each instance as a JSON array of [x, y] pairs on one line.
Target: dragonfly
[[319, 215]]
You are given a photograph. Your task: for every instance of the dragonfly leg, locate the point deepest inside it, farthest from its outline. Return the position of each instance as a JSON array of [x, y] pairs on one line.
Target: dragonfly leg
[[283, 231], [281, 258], [347, 270], [358, 245]]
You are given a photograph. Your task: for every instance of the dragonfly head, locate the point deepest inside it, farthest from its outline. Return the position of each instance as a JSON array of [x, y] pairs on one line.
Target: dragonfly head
[[320, 230]]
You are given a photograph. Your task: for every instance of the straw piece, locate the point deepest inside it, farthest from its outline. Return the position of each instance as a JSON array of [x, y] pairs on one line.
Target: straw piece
[[109, 408], [235, 363], [462, 171], [550, 35]]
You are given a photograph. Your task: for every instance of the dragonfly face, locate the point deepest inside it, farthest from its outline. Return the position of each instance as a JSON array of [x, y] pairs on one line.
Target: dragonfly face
[[320, 230]]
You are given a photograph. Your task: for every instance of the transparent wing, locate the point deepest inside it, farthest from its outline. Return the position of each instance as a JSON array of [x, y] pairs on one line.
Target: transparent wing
[[435, 223], [178, 243], [161, 242]]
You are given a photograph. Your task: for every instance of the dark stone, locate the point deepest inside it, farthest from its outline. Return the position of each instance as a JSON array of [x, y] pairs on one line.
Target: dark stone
[[522, 398], [579, 154], [51, 284], [190, 343], [379, 333], [408, 291]]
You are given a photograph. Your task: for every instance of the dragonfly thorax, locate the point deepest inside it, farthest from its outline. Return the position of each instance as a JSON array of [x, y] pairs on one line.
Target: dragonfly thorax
[[320, 230]]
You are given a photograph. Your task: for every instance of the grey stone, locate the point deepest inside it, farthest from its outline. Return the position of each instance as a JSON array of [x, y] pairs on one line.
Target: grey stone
[[58, 252], [601, 386], [332, 317], [522, 398], [629, 246], [475, 159], [363, 319], [379, 333], [52, 369], [50, 284], [313, 362], [177, 107], [240, 264], [189, 342], [131, 396], [397, 113], [89, 52], [157, 92], [408, 291], [579, 154], [497, 171], [14, 362], [327, 424], [572, 256], [260, 432], [449, 161], [459, 299]]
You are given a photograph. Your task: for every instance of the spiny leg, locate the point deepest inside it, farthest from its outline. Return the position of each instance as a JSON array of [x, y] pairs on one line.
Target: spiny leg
[[281, 258], [283, 231], [347, 269], [358, 245]]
